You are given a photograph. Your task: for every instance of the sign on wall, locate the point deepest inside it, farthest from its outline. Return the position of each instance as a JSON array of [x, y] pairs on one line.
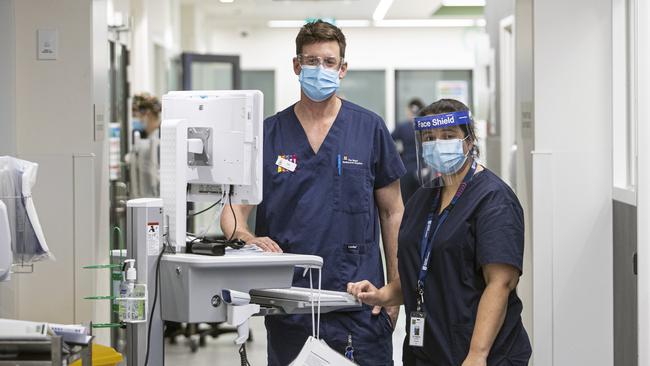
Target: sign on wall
[[453, 89]]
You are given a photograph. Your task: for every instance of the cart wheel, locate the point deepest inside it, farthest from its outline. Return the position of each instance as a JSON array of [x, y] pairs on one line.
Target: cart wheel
[[202, 341], [194, 345]]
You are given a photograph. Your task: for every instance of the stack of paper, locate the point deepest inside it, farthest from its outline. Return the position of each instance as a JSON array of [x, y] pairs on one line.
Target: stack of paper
[[248, 248], [77, 334], [316, 352], [19, 328]]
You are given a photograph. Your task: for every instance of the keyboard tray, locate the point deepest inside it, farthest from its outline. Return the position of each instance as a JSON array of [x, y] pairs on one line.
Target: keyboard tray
[[297, 300]]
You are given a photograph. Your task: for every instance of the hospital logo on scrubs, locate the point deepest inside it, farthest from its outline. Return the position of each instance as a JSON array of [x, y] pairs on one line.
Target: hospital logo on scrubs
[[293, 158], [350, 161]]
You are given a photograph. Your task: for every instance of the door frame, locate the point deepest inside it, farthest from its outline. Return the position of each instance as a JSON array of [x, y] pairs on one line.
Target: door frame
[[643, 175], [507, 103], [188, 58]]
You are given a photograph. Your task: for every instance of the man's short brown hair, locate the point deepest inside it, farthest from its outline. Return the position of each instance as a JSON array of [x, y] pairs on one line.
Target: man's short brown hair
[[319, 31]]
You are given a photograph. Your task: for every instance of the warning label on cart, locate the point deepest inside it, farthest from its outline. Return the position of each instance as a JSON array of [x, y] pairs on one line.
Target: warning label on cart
[[153, 238]]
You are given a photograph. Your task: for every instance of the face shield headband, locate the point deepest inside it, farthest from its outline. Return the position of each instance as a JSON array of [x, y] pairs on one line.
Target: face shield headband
[[439, 159], [443, 120]]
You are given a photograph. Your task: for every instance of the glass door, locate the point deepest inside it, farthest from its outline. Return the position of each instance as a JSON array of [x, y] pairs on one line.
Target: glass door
[[429, 86], [119, 111], [210, 72]]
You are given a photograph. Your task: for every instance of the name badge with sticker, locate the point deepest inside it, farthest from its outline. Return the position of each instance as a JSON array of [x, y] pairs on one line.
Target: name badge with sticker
[[416, 335], [286, 164]]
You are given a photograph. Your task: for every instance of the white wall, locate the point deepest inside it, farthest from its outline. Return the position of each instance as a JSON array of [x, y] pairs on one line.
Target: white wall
[[367, 49], [101, 310], [524, 138], [623, 177], [495, 11], [572, 174], [7, 120], [7, 78], [53, 125], [195, 31], [155, 22], [643, 183]]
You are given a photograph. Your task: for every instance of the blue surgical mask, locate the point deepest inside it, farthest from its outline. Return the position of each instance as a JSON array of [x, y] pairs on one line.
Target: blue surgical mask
[[137, 125], [319, 83], [444, 156]]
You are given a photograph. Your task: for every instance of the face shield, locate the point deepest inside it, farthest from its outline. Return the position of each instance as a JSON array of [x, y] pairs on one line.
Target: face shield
[[443, 148]]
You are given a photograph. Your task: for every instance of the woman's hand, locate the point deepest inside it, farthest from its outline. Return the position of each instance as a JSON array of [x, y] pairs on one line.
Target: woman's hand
[[475, 360], [367, 293]]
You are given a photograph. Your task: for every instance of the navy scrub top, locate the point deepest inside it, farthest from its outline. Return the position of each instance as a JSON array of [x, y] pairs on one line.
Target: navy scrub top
[[405, 133], [320, 208], [485, 227], [409, 183]]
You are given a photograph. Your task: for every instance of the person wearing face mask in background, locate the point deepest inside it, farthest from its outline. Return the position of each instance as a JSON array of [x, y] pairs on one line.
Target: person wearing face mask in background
[[404, 138], [331, 187], [461, 246], [144, 158]]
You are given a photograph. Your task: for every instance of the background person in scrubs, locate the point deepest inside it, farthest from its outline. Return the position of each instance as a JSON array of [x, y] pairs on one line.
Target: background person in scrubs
[[404, 137], [470, 311], [331, 186], [144, 159]]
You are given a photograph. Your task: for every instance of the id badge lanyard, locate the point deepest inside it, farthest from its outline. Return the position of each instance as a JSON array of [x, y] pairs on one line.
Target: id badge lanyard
[[426, 244], [417, 328]]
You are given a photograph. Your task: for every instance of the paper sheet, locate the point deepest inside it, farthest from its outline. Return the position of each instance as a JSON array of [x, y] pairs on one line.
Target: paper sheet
[[317, 353]]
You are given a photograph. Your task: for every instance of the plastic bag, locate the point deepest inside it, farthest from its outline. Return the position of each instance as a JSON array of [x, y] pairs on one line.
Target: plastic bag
[[17, 177]]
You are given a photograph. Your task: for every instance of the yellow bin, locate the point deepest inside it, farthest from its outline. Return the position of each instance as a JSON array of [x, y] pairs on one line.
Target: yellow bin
[[103, 356]]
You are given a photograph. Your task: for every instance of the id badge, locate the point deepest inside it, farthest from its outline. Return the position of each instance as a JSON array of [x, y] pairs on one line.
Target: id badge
[[416, 335], [286, 164]]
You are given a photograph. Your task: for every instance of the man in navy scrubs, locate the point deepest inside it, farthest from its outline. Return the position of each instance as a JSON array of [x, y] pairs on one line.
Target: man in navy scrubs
[[331, 186]]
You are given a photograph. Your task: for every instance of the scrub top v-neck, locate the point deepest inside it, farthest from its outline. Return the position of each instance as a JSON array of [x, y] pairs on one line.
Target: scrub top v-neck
[[326, 205]]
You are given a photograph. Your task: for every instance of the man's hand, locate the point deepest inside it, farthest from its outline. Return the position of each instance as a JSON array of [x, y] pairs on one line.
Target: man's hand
[[392, 311], [265, 243], [393, 314]]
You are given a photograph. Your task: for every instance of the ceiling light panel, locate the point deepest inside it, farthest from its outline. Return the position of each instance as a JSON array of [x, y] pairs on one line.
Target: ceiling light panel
[[425, 23], [343, 23], [382, 9], [463, 2]]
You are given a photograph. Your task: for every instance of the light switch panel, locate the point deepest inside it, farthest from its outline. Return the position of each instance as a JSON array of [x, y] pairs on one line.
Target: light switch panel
[[48, 44]]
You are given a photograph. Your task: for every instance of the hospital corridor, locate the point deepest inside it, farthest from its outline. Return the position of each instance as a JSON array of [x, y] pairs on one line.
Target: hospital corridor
[[324, 182]]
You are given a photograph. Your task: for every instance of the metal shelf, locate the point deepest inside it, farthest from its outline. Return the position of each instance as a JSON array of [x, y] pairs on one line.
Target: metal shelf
[[39, 351]]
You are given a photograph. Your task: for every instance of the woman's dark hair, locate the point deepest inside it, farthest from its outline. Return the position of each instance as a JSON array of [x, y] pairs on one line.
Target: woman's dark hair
[[449, 106], [415, 105], [145, 102]]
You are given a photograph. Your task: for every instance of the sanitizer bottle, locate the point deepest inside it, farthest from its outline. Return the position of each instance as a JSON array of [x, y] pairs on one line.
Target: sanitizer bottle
[[130, 305]]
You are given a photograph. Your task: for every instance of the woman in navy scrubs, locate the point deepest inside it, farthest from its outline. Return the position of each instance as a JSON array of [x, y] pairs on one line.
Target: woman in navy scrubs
[[461, 246]]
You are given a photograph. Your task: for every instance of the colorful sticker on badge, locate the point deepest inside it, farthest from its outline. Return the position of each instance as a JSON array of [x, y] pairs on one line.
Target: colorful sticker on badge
[[287, 163]]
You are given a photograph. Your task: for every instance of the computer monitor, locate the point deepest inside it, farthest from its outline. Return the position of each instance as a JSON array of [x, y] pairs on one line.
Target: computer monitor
[[210, 142]]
